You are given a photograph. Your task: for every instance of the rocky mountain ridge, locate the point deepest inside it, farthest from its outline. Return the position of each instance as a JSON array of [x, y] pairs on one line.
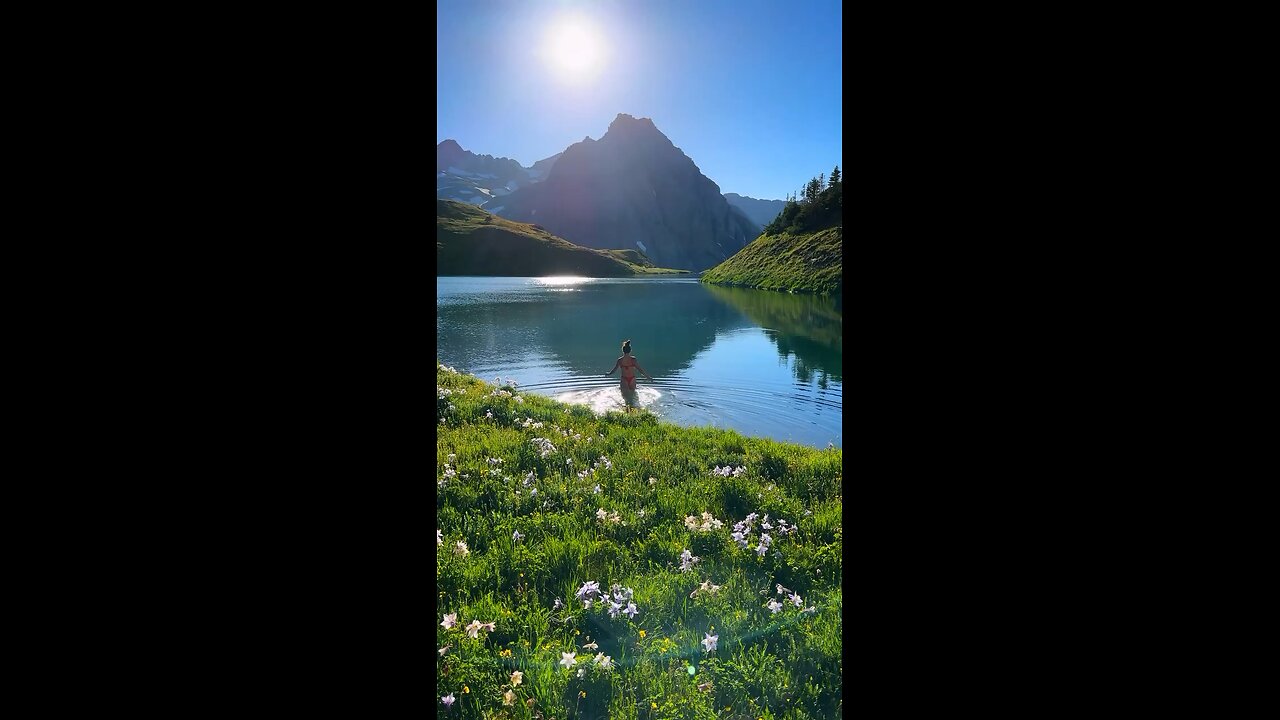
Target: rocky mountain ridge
[[633, 188], [480, 179]]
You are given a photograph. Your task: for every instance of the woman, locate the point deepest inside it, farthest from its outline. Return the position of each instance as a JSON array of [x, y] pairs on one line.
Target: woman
[[629, 367]]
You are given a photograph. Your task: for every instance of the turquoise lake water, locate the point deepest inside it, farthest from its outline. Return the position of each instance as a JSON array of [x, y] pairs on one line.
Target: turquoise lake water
[[763, 363]]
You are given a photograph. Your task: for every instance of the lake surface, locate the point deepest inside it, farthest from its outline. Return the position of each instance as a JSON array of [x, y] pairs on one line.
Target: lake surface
[[766, 364]]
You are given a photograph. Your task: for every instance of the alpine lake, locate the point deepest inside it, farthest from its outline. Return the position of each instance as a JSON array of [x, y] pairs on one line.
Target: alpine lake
[[763, 363]]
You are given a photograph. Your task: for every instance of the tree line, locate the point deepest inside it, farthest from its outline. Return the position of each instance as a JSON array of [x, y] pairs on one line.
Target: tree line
[[817, 205]]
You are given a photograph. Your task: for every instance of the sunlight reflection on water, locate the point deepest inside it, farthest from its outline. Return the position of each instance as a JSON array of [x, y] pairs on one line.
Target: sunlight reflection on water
[[556, 280]]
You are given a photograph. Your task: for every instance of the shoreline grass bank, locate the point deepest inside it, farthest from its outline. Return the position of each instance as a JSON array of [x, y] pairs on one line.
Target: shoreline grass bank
[[624, 567], [804, 263]]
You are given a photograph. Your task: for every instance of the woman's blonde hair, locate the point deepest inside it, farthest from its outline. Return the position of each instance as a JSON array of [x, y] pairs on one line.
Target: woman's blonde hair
[[626, 347]]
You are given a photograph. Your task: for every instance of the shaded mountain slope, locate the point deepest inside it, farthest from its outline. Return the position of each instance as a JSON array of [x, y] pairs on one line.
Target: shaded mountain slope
[[470, 241], [634, 189], [760, 212]]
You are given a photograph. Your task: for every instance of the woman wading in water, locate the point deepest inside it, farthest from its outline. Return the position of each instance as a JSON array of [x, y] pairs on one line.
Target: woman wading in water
[[629, 366]]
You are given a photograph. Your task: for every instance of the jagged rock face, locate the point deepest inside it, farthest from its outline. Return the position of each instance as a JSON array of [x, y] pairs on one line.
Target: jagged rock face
[[633, 189], [450, 154], [760, 212], [482, 179]]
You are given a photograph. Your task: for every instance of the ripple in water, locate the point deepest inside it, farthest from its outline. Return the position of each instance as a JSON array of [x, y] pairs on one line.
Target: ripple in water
[[602, 400]]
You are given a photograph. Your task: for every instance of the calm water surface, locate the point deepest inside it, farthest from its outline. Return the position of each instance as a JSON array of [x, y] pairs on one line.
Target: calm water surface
[[763, 363]]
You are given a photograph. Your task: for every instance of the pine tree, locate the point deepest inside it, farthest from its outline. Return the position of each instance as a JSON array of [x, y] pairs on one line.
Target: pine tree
[[835, 176], [812, 189]]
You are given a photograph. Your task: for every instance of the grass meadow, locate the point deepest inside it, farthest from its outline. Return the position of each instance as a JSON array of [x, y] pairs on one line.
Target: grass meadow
[[716, 560]]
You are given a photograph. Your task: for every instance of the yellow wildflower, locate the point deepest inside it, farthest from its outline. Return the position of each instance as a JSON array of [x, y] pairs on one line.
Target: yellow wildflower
[[642, 634], [465, 689]]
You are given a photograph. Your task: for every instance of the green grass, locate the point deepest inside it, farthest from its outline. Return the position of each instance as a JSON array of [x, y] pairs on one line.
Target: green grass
[[471, 241], [807, 262], [785, 665]]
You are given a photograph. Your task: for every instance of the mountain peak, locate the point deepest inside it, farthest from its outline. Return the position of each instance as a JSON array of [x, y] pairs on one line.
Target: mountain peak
[[625, 121], [449, 144]]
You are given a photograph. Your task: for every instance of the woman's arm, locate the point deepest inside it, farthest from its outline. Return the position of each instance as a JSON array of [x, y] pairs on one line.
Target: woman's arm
[[640, 369], [615, 367]]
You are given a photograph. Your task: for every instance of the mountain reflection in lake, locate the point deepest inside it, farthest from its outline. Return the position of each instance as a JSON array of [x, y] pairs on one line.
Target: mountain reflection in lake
[[760, 362]]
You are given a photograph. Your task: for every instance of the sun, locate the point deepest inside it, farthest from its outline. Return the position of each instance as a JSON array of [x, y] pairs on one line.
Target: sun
[[575, 49]]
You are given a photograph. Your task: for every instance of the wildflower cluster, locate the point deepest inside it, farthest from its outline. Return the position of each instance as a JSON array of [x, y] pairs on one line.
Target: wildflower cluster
[[448, 409], [449, 473], [473, 631], [544, 446], [621, 595], [473, 628], [530, 424], [599, 463], [793, 597], [706, 587], [620, 599], [728, 470], [589, 591], [442, 393], [706, 524], [447, 369], [608, 517], [573, 435], [687, 560], [743, 528]]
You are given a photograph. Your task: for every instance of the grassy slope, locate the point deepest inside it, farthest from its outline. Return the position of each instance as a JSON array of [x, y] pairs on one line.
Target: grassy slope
[[471, 241], [806, 262], [767, 665]]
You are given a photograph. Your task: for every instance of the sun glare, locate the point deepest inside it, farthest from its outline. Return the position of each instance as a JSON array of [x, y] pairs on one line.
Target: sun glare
[[554, 280], [575, 49]]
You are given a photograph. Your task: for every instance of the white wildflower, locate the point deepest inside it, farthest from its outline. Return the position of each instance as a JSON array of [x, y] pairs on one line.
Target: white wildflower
[[709, 642], [687, 560]]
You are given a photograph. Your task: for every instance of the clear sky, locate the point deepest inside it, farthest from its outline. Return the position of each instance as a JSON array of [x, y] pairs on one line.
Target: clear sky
[[749, 89]]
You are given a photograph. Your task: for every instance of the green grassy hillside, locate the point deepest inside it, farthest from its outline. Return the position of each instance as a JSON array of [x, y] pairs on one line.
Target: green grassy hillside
[[470, 241], [536, 499], [807, 262], [802, 250]]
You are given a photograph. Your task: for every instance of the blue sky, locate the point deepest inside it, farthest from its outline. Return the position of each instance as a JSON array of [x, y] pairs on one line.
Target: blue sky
[[750, 90]]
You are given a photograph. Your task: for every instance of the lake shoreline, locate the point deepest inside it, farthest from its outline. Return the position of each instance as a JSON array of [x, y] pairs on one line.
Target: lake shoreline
[[766, 364]]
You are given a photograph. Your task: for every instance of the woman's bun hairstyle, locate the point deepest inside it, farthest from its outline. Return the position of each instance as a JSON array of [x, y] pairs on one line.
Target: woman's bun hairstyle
[[626, 346]]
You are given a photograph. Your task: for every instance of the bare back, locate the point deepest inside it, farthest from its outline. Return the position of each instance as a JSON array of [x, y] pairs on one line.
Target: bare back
[[628, 365]]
